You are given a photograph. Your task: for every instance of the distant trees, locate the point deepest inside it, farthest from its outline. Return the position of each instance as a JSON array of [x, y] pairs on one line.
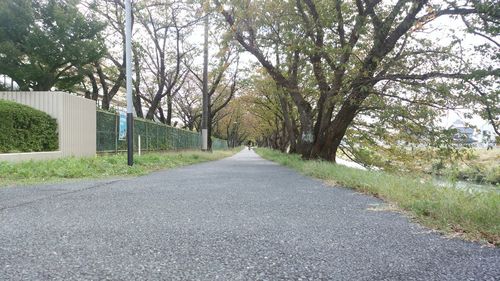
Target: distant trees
[[45, 44], [234, 125]]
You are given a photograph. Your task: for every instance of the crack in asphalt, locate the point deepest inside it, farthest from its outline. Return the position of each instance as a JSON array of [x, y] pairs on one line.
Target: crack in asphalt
[[57, 195]]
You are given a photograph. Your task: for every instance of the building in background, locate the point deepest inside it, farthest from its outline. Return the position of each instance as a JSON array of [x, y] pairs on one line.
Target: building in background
[[478, 136], [464, 133]]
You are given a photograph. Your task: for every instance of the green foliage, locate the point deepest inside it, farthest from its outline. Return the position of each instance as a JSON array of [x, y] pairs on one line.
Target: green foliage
[[100, 166], [379, 76], [26, 129], [475, 215], [475, 173], [46, 43]]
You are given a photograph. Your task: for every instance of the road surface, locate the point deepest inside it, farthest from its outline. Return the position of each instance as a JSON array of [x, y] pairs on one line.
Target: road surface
[[241, 218]]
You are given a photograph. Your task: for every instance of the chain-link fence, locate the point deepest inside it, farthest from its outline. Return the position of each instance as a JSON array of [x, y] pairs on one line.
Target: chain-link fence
[[154, 136]]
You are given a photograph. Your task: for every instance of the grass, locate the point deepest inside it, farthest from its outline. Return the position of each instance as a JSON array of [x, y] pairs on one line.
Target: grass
[[487, 157], [482, 166], [473, 216], [101, 166]]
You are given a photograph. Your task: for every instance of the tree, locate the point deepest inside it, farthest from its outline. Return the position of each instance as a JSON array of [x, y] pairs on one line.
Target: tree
[[341, 57], [273, 110], [237, 124], [166, 53], [187, 104], [219, 78], [107, 76], [46, 44]]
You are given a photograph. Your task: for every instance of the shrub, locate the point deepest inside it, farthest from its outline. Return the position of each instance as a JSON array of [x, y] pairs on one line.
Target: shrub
[[25, 129]]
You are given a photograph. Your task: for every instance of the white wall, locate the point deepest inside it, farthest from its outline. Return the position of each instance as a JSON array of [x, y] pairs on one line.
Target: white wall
[[76, 119]]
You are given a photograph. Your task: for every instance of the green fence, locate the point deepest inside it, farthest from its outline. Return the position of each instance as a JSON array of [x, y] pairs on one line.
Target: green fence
[[154, 136]]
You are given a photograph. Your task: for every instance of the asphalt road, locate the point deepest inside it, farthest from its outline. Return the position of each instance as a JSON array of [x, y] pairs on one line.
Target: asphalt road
[[241, 218]]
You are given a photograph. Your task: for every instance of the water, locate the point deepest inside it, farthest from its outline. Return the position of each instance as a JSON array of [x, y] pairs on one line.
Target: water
[[439, 181], [467, 185]]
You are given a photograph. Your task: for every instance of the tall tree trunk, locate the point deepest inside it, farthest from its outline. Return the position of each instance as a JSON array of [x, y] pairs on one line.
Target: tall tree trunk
[[305, 144], [137, 86], [288, 126], [109, 94], [162, 115], [206, 123], [209, 128], [104, 85], [95, 89], [138, 105], [169, 109]]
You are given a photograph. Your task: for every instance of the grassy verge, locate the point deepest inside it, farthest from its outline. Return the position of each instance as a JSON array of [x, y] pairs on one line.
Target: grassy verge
[[474, 216], [481, 167], [101, 166]]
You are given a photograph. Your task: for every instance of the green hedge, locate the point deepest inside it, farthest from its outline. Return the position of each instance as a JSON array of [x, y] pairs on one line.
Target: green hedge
[[25, 129]]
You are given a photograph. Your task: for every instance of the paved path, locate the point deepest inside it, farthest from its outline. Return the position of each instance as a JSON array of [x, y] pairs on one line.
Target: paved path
[[242, 218]]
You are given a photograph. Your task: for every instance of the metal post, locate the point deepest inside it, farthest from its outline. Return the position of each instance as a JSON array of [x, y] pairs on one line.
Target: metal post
[[204, 121], [139, 144], [128, 56], [117, 129]]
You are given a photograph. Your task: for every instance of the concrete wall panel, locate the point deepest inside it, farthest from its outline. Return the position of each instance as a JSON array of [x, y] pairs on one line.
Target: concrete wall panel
[[76, 119]]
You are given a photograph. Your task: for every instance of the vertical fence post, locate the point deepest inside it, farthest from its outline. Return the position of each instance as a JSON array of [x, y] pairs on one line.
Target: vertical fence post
[[117, 119]]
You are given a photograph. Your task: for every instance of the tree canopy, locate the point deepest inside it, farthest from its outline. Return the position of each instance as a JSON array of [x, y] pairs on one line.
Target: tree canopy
[[46, 43], [377, 68]]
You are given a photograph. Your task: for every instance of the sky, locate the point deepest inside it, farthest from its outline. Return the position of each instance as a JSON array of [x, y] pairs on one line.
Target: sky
[[445, 26]]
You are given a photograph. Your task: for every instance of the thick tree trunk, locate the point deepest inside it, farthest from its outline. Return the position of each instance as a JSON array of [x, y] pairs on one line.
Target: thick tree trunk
[[305, 144], [288, 126], [155, 103], [44, 84], [326, 147], [327, 142]]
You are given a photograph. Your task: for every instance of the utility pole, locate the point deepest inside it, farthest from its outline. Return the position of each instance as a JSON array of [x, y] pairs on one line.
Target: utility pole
[[206, 101], [128, 57]]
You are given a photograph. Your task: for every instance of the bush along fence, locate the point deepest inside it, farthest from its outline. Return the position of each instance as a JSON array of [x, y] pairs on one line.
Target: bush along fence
[[153, 136], [25, 129]]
